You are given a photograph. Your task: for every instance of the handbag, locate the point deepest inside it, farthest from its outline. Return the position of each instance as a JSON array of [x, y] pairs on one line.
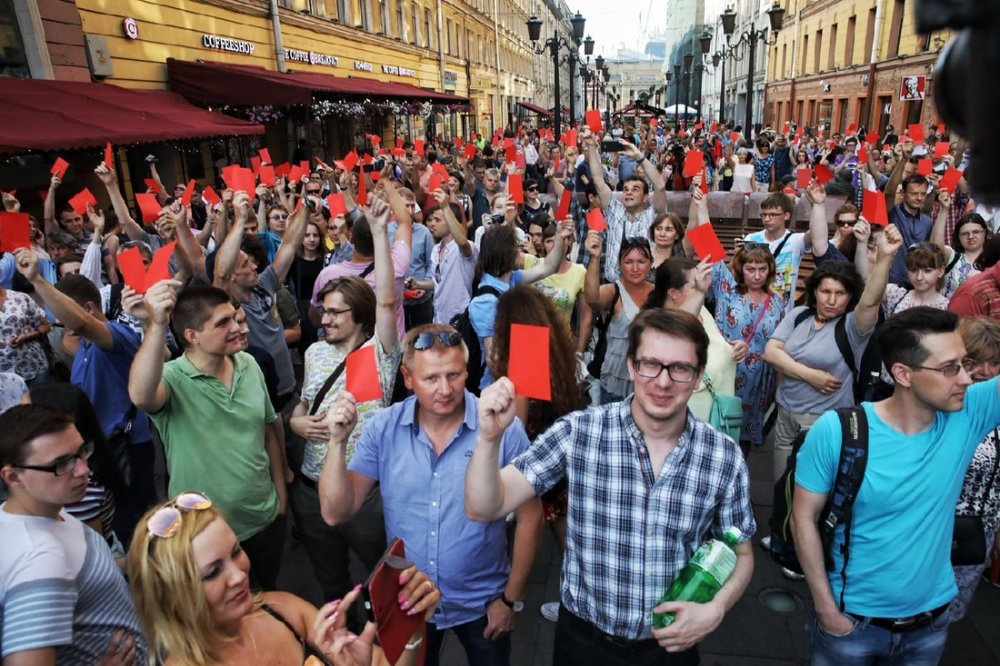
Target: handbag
[[726, 413], [968, 541]]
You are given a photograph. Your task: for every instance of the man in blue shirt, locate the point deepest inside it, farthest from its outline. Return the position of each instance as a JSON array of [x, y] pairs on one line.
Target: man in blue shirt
[[891, 603], [908, 216], [418, 450]]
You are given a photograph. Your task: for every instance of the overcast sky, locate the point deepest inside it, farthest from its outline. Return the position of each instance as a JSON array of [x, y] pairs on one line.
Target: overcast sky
[[621, 23]]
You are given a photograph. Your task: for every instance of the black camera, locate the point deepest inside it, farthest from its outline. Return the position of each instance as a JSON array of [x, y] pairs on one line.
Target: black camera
[[964, 84]]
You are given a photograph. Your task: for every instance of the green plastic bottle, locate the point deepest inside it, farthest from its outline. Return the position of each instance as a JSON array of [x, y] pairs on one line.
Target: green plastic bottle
[[703, 576]]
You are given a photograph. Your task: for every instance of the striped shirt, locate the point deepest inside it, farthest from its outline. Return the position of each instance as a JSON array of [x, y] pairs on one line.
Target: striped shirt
[[60, 587], [630, 530]]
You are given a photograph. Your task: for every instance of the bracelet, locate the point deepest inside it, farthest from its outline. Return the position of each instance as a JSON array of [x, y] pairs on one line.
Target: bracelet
[[415, 644]]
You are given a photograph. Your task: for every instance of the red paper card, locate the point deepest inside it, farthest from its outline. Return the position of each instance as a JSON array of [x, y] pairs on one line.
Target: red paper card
[[470, 150], [435, 182], [441, 169], [399, 142], [362, 189], [508, 141], [571, 137], [245, 180], [59, 167], [595, 220], [714, 127], [149, 206], [80, 201], [563, 211], [872, 138], [418, 147], [916, 131], [698, 126], [458, 142], [941, 128], [375, 139], [267, 175], [109, 159], [210, 195], [350, 160], [14, 231], [255, 164], [941, 148], [136, 275], [265, 156], [706, 243], [515, 187], [823, 174], [282, 170], [693, 163], [152, 185], [802, 178], [734, 136], [593, 120], [362, 378], [295, 173], [335, 202], [925, 166], [306, 167], [397, 152], [188, 191], [510, 154], [950, 179], [873, 208], [851, 129], [528, 366]]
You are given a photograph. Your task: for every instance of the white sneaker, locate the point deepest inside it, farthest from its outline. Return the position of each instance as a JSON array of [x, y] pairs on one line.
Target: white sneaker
[[550, 611], [765, 543], [792, 575]]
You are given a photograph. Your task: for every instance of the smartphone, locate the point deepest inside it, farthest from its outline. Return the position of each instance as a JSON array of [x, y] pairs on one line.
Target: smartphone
[[612, 146]]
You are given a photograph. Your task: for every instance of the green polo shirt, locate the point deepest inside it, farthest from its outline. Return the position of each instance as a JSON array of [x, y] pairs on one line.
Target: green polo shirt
[[214, 440]]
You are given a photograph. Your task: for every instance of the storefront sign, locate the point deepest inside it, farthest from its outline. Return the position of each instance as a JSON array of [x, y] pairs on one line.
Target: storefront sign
[[226, 44], [398, 71], [450, 79], [131, 28], [362, 65], [311, 57], [912, 88]]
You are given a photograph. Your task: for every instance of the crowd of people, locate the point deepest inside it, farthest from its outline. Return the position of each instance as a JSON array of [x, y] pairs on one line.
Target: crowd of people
[[159, 441]]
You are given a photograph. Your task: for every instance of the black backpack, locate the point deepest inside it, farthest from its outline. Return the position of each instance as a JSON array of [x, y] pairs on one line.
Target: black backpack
[[601, 323], [839, 502], [463, 325]]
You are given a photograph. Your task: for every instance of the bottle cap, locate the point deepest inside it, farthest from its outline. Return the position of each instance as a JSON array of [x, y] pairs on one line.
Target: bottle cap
[[732, 535]]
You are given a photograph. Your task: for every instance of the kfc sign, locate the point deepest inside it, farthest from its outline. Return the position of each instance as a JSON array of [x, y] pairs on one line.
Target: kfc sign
[[912, 88]]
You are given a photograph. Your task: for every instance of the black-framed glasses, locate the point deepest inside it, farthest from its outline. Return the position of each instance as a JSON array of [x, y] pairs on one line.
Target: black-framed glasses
[[950, 370], [678, 372], [847, 223], [332, 311], [424, 341], [166, 520], [66, 464], [313, 191]]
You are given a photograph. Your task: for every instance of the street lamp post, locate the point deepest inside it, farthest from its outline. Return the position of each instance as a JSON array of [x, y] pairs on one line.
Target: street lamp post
[[719, 61], [677, 97], [776, 16], [554, 44]]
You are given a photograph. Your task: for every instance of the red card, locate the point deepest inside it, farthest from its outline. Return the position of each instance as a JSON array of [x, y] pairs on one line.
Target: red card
[[458, 142], [653, 123], [350, 160], [362, 378], [188, 191], [375, 139], [508, 141], [14, 231], [136, 275], [528, 366], [335, 202], [210, 195], [149, 205], [510, 154], [706, 243], [593, 120], [418, 146], [515, 187], [399, 142], [802, 178], [872, 138], [571, 137], [267, 175], [698, 126], [435, 182], [916, 131], [823, 174], [265, 156], [282, 170], [306, 167], [873, 208], [255, 163], [59, 167], [851, 129], [693, 163], [925, 166], [734, 136], [941, 148], [245, 180], [441, 169], [109, 159], [941, 128], [295, 173], [950, 179], [152, 185], [715, 127], [362, 189], [397, 152], [595, 220], [80, 201], [563, 211], [470, 150]]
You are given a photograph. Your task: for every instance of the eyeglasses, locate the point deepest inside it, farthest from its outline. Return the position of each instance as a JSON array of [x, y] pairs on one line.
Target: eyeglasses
[[950, 370], [66, 464], [847, 223], [313, 191], [972, 233], [765, 216], [971, 364], [678, 372], [166, 520], [424, 341], [332, 311]]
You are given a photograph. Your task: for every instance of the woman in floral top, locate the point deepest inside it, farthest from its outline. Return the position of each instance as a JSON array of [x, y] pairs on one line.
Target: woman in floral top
[[971, 234], [763, 167], [22, 328]]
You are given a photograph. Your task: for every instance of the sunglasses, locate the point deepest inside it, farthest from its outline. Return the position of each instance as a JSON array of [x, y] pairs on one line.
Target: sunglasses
[[313, 191], [847, 223], [755, 245], [166, 520], [424, 341]]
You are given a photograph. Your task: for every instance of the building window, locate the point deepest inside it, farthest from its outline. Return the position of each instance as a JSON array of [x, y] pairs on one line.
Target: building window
[[896, 31], [852, 24], [400, 20], [819, 50], [427, 28], [832, 57], [383, 15], [14, 57], [415, 20], [447, 32], [805, 51], [869, 35], [366, 14]]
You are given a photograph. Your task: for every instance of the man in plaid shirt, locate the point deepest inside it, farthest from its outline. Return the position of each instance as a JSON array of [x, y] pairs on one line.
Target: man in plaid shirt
[[648, 483]]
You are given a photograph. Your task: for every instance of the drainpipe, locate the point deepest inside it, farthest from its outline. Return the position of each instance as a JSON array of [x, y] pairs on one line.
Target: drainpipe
[[440, 27], [496, 44], [869, 116], [279, 51]]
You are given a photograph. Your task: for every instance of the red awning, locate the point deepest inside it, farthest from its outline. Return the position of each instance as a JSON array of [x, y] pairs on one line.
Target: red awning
[[204, 82], [534, 108], [54, 115]]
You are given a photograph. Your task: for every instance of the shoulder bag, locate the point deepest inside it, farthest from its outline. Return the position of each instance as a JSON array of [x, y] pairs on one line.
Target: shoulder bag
[[726, 414]]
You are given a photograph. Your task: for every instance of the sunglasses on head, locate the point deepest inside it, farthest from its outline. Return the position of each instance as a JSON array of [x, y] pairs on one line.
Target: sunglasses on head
[[166, 520], [755, 245], [424, 341]]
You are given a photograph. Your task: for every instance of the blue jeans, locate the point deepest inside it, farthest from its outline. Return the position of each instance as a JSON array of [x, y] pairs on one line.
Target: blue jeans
[[870, 646], [479, 650]]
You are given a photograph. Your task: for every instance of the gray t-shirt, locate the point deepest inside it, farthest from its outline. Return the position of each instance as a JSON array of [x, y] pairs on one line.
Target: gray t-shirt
[[266, 331], [817, 349]]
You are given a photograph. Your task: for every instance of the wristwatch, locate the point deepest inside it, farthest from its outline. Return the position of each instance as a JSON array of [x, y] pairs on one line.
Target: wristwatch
[[516, 606]]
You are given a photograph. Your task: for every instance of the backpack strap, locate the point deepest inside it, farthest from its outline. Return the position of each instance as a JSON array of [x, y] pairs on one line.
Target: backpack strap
[[802, 316], [781, 245], [846, 485], [330, 381], [844, 345]]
